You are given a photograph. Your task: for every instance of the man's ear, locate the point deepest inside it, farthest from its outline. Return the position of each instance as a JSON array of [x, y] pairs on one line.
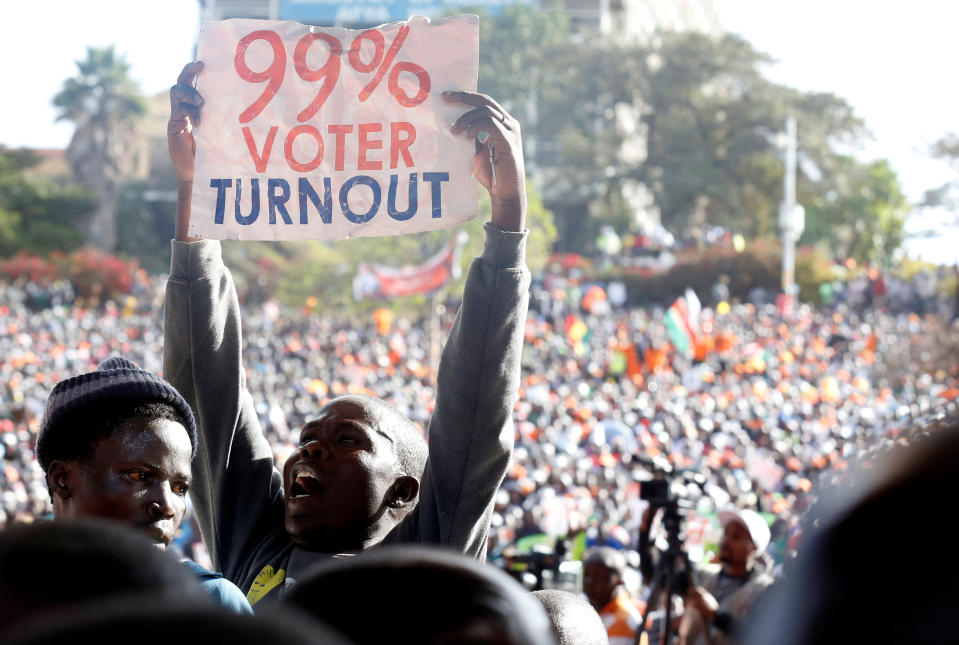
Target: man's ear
[[402, 492], [58, 478]]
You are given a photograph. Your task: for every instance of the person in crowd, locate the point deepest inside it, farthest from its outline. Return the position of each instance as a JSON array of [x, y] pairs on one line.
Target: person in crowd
[[61, 566], [441, 595], [116, 443], [603, 570], [723, 594], [574, 620], [360, 474], [128, 619]]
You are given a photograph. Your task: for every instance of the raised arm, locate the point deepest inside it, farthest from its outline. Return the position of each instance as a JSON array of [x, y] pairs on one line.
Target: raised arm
[[471, 432], [236, 494]]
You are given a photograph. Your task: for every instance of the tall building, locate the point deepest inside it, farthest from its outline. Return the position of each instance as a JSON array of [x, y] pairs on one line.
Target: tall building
[[341, 13], [639, 20]]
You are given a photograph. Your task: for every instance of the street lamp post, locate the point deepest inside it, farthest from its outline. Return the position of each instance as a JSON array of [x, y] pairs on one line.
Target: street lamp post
[[792, 217]]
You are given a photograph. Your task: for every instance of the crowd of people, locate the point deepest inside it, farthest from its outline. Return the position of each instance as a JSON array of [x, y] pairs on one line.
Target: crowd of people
[[762, 409], [337, 473]]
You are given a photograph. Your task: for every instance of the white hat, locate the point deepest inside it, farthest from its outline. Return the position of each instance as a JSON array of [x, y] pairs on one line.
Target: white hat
[[756, 525]]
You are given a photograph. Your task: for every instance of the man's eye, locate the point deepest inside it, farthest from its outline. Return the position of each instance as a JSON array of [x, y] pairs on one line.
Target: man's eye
[[347, 440], [137, 475], [181, 489]]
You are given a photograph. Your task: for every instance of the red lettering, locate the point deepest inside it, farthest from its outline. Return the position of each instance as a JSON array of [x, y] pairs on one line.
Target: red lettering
[[340, 132], [260, 161], [365, 129], [400, 145], [288, 148]]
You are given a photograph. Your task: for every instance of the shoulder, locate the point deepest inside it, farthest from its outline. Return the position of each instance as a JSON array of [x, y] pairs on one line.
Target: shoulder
[[224, 593]]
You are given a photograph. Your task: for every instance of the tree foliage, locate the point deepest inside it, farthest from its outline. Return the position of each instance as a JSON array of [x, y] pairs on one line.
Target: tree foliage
[[947, 195], [37, 215], [105, 106], [691, 118], [864, 218]]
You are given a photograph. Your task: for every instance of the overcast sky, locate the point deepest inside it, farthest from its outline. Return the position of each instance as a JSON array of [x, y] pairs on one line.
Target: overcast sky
[[891, 60]]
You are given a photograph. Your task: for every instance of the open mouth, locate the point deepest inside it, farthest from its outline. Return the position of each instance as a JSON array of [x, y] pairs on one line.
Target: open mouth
[[305, 483]]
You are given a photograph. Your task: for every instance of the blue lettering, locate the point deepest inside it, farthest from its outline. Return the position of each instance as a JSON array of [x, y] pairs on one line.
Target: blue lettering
[[345, 193], [325, 209], [221, 185], [402, 216], [435, 179], [246, 220], [278, 202]]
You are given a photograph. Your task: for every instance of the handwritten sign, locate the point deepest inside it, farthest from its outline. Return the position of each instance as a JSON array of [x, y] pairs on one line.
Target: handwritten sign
[[327, 133]]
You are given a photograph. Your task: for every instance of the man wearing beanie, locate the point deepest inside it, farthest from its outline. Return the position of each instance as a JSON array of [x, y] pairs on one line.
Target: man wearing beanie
[[117, 444]]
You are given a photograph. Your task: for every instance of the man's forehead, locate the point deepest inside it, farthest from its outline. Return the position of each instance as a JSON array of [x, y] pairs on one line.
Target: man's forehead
[[736, 525], [368, 411]]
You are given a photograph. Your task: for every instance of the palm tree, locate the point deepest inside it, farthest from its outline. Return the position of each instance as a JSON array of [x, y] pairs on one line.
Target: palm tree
[[105, 106]]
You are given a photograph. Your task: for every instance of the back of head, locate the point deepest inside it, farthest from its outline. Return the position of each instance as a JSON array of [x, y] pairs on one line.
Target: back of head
[[415, 594], [50, 566], [574, 620], [609, 557], [879, 569], [130, 619]]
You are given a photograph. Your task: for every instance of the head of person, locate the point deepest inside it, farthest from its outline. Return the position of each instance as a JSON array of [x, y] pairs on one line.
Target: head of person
[[875, 565], [603, 570], [574, 620], [171, 620], [354, 475], [417, 594], [57, 566], [117, 443], [745, 536]]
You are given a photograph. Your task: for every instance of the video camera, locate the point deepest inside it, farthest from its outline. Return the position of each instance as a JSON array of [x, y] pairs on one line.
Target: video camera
[[671, 489]]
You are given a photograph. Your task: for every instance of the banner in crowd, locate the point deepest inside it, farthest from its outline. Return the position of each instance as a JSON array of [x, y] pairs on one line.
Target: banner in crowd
[[381, 281], [682, 322], [328, 133]]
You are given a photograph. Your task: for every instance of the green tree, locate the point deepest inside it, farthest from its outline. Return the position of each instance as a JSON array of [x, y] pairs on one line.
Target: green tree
[[105, 106], [713, 122], [865, 219], [37, 215], [945, 149], [565, 89]]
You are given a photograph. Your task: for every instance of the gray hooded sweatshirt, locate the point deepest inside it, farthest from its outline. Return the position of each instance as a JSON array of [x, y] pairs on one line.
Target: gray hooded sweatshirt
[[237, 491]]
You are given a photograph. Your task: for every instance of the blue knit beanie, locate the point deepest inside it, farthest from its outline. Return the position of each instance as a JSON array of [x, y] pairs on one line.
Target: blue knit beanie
[[115, 380]]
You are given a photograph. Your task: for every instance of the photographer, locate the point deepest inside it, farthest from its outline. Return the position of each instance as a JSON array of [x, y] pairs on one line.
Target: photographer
[[720, 595]]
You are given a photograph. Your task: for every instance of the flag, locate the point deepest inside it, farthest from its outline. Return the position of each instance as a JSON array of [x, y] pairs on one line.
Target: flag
[[682, 322], [381, 281]]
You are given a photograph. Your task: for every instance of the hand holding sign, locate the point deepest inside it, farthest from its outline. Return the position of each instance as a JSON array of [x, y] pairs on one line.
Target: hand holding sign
[[344, 137]]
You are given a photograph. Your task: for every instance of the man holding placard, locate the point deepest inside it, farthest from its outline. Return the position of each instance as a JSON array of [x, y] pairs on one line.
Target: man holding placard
[[361, 474]]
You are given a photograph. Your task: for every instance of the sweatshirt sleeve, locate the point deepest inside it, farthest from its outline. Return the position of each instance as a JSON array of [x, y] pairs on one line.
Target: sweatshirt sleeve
[[471, 431], [237, 493]]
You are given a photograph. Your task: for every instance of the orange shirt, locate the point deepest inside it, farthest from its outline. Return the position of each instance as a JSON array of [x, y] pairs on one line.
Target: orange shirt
[[621, 617]]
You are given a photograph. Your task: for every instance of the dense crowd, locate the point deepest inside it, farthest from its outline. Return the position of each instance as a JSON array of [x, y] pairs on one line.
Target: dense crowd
[[761, 407]]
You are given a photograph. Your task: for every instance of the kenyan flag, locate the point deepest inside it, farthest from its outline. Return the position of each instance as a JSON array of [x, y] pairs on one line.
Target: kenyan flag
[[682, 322]]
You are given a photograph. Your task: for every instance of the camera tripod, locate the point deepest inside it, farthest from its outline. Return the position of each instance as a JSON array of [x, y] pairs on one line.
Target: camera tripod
[[671, 575]]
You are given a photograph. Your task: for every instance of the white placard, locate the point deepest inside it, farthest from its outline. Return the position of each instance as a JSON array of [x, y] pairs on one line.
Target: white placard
[[327, 133]]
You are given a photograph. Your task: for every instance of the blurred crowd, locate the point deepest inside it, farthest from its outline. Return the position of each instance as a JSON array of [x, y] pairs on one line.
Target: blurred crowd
[[764, 408]]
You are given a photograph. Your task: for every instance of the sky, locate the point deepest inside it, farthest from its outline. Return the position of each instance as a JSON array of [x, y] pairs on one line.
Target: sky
[[890, 59]]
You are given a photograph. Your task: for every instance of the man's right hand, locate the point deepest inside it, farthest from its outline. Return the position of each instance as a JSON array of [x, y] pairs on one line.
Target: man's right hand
[[185, 106]]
